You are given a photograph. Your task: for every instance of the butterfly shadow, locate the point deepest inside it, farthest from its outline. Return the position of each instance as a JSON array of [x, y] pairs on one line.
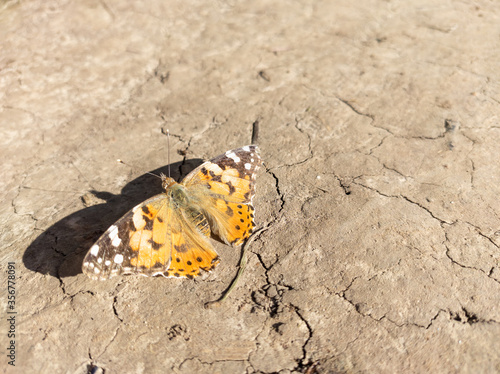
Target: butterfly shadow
[[59, 250]]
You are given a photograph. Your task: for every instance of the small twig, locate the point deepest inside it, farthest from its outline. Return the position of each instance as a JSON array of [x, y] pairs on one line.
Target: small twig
[[242, 265], [255, 132]]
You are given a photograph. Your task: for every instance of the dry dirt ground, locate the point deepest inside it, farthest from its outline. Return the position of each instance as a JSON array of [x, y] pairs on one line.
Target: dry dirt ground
[[380, 132]]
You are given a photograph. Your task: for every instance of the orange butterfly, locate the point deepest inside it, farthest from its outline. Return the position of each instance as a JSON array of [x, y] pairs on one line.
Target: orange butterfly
[[169, 234]]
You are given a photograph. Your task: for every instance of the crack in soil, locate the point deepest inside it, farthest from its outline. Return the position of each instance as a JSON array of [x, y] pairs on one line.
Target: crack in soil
[[115, 300], [368, 115], [110, 342], [309, 143], [278, 191], [357, 308], [301, 362], [400, 196], [455, 262], [467, 317]]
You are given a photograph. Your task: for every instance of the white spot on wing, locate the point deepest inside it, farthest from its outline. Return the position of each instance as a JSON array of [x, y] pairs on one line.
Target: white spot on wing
[[118, 259], [248, 166], [116, 241], [232, 155], [113, 235], [99, 260], [113, 231], [94, 250], [107, 262], [246, 148]]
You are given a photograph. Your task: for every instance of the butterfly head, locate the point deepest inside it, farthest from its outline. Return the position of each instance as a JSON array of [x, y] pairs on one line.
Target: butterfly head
[[166, 182]]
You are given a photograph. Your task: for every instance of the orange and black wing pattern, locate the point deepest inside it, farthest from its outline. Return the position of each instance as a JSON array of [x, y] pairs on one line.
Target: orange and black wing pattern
[[152, 239], [224, 188], [169, 234]]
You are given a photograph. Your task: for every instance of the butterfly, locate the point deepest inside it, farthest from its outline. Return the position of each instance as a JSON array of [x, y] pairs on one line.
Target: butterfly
[[169, 233]]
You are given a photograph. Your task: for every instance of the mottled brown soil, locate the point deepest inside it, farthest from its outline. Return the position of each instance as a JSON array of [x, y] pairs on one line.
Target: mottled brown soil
[[379, 127]]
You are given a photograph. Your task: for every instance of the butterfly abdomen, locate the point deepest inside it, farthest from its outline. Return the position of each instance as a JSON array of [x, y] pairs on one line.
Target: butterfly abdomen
[[198, 219]]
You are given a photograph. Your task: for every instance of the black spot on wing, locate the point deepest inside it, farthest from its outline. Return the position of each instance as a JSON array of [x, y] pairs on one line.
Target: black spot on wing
[[154, 244], [158, 266], [216, 178], [181, 248], [231, 187]]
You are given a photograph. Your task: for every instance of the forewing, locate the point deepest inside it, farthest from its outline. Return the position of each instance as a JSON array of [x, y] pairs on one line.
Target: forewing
[[223, 188], [231, 175], [137, 243]]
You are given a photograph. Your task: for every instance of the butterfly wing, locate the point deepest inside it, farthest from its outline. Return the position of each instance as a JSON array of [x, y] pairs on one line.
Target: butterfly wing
[[129, 245], [145, 240], [191, 249], [224, 188]]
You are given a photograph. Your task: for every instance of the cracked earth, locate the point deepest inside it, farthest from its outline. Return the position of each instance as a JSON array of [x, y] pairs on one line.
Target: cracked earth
[[378, 124]]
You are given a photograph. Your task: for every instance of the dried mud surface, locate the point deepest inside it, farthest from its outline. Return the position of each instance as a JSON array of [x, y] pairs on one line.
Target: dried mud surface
[[380, 132]]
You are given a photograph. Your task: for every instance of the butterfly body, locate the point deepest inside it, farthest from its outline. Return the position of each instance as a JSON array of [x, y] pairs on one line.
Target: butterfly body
[[168, 234]]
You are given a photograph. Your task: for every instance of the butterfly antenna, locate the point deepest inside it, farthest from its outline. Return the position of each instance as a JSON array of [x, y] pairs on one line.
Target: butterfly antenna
[[124, 163]]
